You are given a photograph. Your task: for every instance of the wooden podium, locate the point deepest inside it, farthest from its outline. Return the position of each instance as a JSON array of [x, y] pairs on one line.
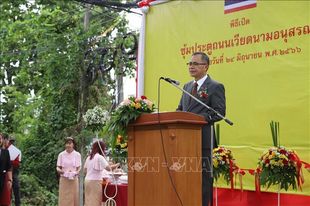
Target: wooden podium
[[148, 179]]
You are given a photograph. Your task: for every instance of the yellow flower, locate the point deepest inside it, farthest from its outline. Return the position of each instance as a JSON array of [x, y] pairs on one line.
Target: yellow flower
[[124, 145], [272, 167], [133, 104], [117, 142], [138, 105], [215, 162], [267, 165]]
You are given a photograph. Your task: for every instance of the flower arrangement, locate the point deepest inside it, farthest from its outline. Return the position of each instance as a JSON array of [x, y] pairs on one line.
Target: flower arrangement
[[223, 161], [119, 153], [278, 165], [96, 118], [203, 92], [129, 109]]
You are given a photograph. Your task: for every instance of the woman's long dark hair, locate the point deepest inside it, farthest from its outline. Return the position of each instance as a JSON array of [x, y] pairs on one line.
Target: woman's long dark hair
[[96, 149]]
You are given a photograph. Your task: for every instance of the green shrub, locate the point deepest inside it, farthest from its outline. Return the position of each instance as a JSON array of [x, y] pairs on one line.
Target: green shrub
[[34, 193]]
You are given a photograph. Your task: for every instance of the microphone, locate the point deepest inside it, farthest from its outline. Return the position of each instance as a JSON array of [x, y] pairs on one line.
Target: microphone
[[170, 80]]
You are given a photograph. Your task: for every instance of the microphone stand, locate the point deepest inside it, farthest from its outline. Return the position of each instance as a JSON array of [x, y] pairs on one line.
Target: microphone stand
[[210, 109], [211, 158]]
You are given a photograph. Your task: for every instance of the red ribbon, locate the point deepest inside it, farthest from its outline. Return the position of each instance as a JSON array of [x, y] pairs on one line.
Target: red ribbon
[[233, 168], [298, 165], [145, 3], [231, 174], [257, 181], [241, 173], [307, 166]]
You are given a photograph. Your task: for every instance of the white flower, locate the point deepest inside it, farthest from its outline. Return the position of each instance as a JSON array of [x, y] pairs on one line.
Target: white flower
[[96, 116]]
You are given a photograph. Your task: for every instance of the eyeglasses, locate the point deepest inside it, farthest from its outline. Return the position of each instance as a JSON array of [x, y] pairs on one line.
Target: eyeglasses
[[195, 63]]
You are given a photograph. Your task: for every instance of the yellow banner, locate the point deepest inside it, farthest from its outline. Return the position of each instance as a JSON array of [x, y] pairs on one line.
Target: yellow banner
[[260, 54]]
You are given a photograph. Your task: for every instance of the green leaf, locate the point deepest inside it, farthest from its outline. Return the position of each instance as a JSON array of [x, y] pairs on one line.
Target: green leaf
[[274, 127]]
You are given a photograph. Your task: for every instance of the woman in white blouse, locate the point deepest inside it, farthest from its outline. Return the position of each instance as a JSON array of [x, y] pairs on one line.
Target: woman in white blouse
[[94, 167]]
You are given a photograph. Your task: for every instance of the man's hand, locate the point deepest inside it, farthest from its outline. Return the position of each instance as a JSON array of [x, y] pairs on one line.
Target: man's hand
[[9, 185]]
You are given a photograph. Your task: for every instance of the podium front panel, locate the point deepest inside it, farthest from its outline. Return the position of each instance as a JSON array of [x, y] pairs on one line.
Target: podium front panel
[[148, 178]]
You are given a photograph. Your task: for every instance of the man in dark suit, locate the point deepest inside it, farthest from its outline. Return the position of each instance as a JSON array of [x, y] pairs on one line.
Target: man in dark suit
[[5, 167], [212, 93]]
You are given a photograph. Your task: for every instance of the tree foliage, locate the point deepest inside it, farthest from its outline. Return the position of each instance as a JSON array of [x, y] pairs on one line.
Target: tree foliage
[[52, 70]]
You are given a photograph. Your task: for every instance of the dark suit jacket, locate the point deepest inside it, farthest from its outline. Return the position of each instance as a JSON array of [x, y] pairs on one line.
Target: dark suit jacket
[[216, 100], [5, 166]]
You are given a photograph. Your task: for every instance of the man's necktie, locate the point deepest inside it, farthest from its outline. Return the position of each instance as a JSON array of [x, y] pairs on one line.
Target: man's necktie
[[194, 92]]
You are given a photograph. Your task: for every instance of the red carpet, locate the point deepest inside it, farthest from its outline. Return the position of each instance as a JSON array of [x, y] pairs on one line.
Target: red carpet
[[249, 198]]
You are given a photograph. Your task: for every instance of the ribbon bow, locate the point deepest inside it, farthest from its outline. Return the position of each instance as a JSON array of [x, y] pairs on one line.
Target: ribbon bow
[[145, 3], [257, 181]]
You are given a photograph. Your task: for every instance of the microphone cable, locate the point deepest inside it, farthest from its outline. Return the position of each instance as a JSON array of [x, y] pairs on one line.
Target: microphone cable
[[110, 200], [163, 146]]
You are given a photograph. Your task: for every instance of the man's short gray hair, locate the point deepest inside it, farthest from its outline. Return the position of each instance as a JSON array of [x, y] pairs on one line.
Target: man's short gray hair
[[204, 57]]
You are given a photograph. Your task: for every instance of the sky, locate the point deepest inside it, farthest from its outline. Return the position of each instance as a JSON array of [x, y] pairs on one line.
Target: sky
[[134, 24]]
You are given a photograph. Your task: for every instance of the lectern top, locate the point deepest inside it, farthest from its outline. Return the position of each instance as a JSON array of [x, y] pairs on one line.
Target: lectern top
[[169, 118]]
